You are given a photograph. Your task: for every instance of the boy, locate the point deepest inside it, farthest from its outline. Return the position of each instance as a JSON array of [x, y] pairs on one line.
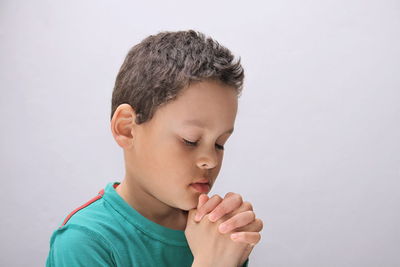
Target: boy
[[173, 107]]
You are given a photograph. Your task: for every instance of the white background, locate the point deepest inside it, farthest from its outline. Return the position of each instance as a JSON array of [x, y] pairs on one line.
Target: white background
[[316, 145]]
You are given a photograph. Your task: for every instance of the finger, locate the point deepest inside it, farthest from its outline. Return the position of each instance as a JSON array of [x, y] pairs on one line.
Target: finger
[[203, 198], [246, 237], [244, 207], [231, 202], [256, 226], [238, 220], [207, 207]]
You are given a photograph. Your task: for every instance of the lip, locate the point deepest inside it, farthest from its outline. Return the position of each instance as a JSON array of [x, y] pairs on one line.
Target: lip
[[202, 181], [201, 187]]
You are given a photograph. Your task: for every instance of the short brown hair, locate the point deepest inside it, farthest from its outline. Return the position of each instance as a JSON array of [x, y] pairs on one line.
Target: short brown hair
[[156, 69]]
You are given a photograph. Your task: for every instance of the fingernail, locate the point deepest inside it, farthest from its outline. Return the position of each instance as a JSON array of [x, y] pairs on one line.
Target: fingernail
[[223, 228], [197, 217], [234, 236], [212, 217]]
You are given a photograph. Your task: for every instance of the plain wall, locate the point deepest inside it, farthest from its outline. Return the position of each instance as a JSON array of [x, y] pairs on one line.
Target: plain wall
[[316, 142]]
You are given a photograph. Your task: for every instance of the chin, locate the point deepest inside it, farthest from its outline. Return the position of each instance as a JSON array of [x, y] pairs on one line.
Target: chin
[[187, 205]]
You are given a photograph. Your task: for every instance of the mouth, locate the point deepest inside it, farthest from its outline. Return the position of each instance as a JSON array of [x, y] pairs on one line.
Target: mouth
[[201, 187]]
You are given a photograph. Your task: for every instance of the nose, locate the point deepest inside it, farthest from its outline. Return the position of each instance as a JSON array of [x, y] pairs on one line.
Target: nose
[[208, 159]]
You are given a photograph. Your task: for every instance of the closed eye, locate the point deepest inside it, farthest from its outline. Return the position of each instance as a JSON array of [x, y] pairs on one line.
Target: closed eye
[[220, 147], [190, 143]]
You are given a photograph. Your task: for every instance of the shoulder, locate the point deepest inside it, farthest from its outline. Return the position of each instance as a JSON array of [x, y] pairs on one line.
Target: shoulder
[[85, 213], [95, 217], [79, 235], [75, 245], [83, 239]]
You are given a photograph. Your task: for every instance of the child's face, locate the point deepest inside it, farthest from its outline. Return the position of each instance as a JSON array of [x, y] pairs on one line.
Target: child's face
[[159, 160]]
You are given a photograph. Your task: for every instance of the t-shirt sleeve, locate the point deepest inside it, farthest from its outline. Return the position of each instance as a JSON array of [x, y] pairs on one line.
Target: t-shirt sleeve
[[79, 247]]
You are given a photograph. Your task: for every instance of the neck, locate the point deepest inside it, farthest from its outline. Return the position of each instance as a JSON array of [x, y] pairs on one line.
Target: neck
[[151, 207]]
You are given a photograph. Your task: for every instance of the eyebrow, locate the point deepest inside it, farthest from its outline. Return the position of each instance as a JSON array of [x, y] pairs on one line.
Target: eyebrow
[[199, 124]]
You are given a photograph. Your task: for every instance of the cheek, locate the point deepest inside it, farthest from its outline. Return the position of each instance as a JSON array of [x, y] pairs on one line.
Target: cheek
[[170, 158]]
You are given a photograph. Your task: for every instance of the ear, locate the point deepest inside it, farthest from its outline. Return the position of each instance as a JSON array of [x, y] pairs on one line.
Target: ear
[[123, 125]]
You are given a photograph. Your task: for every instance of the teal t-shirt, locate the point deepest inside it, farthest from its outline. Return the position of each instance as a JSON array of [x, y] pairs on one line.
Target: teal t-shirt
[[107, 231]]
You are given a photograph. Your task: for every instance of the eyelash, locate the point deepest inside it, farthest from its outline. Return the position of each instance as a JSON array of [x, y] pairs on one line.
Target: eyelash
[[195, 143]]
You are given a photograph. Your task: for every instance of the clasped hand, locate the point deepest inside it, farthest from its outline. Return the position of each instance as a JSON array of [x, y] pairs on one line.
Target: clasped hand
[[232, 217]]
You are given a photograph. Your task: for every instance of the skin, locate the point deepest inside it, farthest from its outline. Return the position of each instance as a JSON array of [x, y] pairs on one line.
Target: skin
[[238, 216], [160, 166], [211, 248], [241, 220]]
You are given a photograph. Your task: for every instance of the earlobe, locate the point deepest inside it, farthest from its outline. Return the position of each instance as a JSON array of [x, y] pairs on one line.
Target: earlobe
[[123, 125]]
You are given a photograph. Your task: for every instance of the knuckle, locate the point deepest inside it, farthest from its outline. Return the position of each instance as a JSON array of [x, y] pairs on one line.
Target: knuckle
[[229, 194], [257, 238], [216, 197], [238, 198], [247, 205], [260, 223], [252, 214], [221, 209], [235, 196], [236, 201]]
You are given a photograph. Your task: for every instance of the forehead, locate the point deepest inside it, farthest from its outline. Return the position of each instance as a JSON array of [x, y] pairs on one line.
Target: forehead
[[203, 104], [200, 124]]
